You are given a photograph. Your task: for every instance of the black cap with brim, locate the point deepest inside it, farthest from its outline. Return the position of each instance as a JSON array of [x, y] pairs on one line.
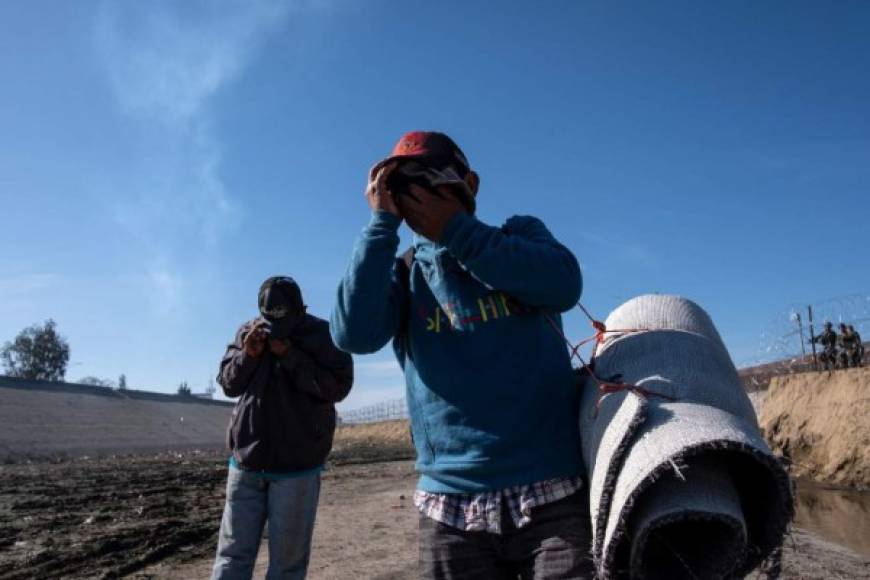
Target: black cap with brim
[[281, 306]]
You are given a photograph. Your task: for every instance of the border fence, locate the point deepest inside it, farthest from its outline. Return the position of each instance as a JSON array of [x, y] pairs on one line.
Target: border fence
[[390, 410], [789, 335], [786, 345]]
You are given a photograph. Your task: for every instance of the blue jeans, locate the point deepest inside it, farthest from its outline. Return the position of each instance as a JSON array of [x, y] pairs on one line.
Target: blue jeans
[[290, 506]]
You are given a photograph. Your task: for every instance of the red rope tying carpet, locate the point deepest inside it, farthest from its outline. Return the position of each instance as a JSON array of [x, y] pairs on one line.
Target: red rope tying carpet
[[613, 384]]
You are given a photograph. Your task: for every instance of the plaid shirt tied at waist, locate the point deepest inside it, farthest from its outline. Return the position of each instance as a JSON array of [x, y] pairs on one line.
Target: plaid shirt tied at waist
[[481, 512]]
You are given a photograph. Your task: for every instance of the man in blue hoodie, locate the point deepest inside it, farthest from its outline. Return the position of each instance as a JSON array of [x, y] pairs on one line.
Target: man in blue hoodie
[[471, 310]]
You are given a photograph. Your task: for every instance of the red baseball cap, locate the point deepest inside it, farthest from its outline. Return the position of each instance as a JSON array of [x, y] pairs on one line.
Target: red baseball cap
[[432, 146]]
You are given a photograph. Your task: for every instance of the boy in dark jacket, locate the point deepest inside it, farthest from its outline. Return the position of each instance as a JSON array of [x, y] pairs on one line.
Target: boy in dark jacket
[[490, 389], [288, 375]]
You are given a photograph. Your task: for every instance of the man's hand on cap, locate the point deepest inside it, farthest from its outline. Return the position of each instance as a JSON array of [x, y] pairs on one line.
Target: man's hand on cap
[[431, 214], [255, 340], [377, 194]]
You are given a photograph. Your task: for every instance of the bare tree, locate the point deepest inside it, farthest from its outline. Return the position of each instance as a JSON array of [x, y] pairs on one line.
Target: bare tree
[[37, 353], [122, 382], [183, 389]]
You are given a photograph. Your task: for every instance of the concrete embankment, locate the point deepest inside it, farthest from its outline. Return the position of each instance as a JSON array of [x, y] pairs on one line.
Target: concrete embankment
[[58, 419], [820, 421]]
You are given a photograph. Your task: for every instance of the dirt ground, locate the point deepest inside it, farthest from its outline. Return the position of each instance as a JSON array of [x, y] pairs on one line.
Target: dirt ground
[[368, 442], [110, 516], [374, 536], [157, 517], [106, 517], [366, 528], [818, 420]]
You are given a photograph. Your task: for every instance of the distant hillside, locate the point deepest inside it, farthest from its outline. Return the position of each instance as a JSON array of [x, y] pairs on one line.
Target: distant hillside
[[44, 419], [60, 387]]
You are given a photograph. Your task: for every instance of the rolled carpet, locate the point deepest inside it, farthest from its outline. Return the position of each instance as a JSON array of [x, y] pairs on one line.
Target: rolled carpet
[[681, 483]]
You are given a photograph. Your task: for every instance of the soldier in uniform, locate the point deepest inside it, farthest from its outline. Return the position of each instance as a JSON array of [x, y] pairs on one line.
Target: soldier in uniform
[[844, 342], [858, 354], [828, 340]]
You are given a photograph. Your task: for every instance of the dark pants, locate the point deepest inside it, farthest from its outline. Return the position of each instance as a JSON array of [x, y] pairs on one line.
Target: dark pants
[[554, 545]]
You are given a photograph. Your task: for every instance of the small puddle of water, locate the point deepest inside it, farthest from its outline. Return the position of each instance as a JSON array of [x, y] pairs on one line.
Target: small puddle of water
[[836, 515]]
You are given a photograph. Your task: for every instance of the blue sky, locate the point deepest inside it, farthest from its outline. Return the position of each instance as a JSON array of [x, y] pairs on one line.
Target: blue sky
[[159, 160]]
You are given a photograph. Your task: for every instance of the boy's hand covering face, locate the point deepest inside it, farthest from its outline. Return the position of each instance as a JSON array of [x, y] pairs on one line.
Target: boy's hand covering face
[[424, 195], [428, 196], [428, 212], [377, 194], [432, 177]]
